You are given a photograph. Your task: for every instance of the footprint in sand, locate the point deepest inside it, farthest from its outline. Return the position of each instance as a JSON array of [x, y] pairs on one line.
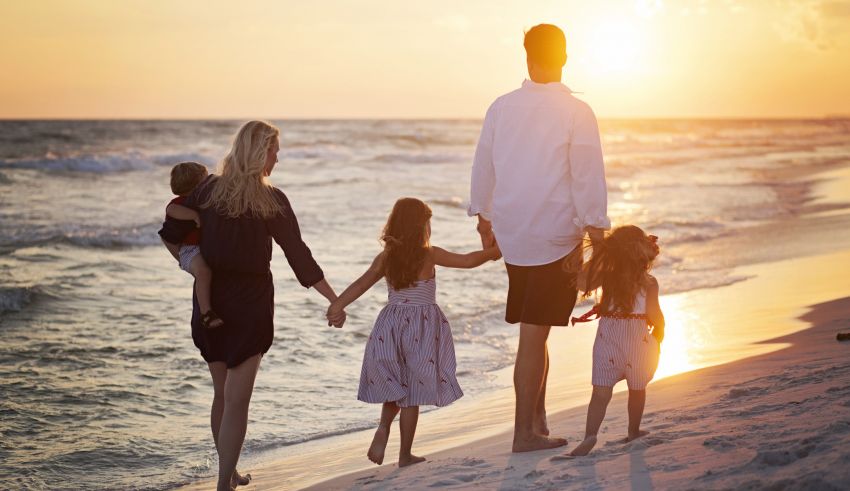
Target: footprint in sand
[[720, 443], [455, 480]]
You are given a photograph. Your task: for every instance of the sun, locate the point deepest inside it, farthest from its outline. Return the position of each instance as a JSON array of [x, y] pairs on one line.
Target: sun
[[615, 46]]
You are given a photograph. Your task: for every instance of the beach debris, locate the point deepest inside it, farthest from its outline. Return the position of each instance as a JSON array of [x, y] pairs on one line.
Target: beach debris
[[843, 336]]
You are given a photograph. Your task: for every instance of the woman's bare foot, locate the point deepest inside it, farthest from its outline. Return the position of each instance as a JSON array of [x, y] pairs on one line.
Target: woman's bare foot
[[409, 460], [537, 442], [584, 447], [379, 445], [240, 480], [635, 436]]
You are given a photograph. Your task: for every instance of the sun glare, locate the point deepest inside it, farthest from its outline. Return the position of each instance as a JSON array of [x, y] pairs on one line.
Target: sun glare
[[615, 46], [679, 346]]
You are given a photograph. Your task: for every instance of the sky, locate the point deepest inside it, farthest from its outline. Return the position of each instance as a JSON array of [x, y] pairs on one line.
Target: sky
[[403, 59]]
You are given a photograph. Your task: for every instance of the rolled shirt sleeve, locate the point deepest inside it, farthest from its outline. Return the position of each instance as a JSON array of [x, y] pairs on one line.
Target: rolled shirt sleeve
[[283, 227], [483, 180], [587, 172]]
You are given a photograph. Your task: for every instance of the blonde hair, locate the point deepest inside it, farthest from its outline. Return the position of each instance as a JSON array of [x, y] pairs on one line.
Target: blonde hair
[[243, 187]]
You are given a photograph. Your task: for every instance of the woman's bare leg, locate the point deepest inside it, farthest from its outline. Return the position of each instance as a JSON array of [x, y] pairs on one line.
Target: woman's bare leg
[[382, 433], [237, 396], [407, 425], [218, 370]]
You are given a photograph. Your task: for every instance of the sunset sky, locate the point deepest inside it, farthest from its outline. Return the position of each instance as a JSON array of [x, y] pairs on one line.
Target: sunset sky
[[371, 59]]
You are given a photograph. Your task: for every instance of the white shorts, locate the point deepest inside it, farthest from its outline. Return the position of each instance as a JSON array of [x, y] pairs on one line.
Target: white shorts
[[624, 349], [186, 254]]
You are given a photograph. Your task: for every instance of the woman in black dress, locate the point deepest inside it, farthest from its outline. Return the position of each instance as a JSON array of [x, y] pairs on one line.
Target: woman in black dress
[[241, 213]]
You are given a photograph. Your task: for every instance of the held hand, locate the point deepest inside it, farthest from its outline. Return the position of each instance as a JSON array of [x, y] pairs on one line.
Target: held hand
[[336, 316]]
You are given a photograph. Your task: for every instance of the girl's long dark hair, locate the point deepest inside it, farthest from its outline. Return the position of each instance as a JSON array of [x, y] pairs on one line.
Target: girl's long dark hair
[[620, 262], [405, 242]]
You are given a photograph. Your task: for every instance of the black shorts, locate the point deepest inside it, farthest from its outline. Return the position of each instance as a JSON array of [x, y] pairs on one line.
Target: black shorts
[[544, 295]]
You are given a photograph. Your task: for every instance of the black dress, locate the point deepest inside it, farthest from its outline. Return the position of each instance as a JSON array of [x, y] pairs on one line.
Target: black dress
[[238, 251]]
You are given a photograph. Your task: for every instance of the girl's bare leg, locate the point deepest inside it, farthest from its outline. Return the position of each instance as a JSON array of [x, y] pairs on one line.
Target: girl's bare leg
[[595, 414], [218, 370], [382, 434], [237, 396], [407, 425], [637, 401]]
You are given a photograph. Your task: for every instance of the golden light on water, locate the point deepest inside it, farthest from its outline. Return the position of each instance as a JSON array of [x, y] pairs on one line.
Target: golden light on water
[[681, 341]]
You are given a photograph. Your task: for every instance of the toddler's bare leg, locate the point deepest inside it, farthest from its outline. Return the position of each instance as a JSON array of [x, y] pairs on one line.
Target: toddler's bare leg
[[407, 424], [203, 281], [595, 414], [382, 434], [637, 401]]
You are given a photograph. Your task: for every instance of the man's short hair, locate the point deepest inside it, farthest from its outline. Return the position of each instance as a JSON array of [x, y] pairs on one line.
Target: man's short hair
[[545, 45]]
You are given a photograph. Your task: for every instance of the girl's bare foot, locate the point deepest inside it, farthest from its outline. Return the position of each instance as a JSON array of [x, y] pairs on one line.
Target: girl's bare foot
[[635, 436], [240, 480], [409, 460], [584, 447], [537, 442], [379, 445]]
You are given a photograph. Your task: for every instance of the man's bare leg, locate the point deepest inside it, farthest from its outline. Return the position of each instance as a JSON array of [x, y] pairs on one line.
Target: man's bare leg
[[541, 424], [528, 378], [382, 433]]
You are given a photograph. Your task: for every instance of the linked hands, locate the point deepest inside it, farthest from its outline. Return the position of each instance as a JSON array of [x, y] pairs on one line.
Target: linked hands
[[488, 238], [336, 315]]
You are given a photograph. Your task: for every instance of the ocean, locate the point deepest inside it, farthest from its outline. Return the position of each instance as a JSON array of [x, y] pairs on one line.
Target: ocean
[[100, 384]]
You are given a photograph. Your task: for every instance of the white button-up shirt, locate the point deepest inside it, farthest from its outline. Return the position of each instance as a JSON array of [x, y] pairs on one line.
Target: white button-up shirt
[[538, 173]]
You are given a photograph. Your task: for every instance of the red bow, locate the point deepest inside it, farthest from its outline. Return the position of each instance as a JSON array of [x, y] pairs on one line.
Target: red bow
[[588, 316]]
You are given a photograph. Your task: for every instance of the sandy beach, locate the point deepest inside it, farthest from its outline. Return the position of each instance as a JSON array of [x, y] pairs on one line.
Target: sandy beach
[[780, 420], [777, 416]]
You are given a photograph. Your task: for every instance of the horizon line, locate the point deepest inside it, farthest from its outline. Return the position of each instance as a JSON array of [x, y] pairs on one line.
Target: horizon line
[[425, 118]]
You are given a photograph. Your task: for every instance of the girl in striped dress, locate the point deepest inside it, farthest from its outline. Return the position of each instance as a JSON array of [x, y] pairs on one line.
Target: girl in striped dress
[[409, 359], [631, 325]]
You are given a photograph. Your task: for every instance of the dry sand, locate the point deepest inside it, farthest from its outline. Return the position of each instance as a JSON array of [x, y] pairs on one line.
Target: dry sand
[[775, 421]]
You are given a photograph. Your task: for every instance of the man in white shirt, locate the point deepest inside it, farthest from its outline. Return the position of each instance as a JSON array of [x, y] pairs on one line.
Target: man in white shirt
[[538, 185]]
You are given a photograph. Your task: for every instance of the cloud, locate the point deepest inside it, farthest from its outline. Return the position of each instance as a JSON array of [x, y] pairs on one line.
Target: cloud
[[815, 23]]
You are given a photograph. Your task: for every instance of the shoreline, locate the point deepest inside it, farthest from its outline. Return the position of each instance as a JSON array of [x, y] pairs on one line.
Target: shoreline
[[339, 458]]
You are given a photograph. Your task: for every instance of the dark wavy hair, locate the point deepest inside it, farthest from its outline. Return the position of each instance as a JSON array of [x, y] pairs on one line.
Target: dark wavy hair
[[620, 262], [405, 242]]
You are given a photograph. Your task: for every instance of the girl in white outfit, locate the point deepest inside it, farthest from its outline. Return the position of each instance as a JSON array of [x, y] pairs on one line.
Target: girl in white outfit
[[631, 325]]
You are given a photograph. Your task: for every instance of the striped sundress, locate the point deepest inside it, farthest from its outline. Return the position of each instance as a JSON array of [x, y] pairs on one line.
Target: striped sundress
[[410, 356], [625, 349]]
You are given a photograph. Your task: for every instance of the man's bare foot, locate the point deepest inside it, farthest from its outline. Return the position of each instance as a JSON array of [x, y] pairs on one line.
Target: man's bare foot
[[240, 480], [635, 437], [379, 445], [584, 447], [537, 442], [541, 425], [409, 460]]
